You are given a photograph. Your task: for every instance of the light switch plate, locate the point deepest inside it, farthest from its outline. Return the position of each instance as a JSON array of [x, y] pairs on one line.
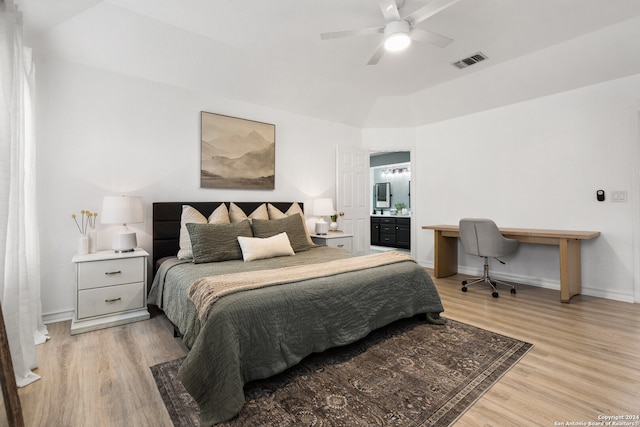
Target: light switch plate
[[619, 196]]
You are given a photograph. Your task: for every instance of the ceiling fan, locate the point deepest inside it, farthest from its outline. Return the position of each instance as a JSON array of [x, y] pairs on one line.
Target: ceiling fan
[[398, 32]]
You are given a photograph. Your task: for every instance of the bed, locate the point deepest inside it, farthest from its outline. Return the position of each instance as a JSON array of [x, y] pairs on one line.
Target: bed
[[318, 300]]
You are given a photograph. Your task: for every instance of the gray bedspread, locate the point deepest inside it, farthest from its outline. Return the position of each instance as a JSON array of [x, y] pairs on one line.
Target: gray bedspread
[[259, 333]]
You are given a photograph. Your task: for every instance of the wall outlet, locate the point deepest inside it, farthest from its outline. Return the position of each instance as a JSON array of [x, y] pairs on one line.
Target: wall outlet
[[619, 196]]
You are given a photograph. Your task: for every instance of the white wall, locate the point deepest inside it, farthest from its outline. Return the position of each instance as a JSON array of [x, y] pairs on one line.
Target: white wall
[[538, 164], [101, 133], [532, 164]]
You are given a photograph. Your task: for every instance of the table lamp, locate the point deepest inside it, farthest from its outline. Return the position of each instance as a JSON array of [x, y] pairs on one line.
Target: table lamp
[[322, 207], [122, 210]]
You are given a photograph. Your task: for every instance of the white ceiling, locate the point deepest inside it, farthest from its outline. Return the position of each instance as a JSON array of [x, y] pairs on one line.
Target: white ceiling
[[270, 52]]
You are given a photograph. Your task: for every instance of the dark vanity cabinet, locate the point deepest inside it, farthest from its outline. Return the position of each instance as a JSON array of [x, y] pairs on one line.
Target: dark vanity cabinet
[[391, 231], [375, 231], [403, 233]]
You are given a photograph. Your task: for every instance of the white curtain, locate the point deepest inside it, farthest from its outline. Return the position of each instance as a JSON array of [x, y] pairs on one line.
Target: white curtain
[[19, 244]]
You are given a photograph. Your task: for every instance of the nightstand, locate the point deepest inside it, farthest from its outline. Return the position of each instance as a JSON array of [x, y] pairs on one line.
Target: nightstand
[[111, 289], [335, 239]]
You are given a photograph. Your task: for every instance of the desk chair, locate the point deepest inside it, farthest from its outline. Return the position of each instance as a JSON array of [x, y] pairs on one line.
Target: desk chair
[[481, 237]]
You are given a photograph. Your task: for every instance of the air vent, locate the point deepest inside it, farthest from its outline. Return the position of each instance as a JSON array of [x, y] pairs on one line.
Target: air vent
[[473, 59]]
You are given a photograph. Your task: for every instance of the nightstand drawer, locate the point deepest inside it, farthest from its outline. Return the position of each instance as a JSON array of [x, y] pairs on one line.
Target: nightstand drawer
[[335, 240], [340, 242], [110, 272], [111, 299]]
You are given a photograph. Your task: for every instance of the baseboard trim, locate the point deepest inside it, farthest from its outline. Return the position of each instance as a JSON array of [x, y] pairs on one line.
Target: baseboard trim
[[543, 283], [56, 317], [93, 324]]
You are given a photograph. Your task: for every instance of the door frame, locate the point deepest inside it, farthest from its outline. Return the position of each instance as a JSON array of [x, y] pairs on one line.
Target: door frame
[[635, 221], [412, 185]]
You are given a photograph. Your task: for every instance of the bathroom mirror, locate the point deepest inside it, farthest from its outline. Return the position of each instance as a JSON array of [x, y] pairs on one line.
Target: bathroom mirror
[[382, 195]]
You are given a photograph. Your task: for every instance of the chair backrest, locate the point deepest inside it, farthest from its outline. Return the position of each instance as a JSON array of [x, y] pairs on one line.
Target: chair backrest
[[482, 237]]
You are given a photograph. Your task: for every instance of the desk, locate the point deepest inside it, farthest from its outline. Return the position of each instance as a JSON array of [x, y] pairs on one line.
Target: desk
[[446, 251]]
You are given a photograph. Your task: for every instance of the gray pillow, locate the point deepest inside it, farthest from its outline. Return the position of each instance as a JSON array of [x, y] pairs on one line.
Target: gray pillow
[[217, 242], [292, 225]]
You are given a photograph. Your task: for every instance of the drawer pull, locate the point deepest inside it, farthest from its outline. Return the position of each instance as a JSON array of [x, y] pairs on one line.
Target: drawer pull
[[111, 273], [341, 246], [113, 299]]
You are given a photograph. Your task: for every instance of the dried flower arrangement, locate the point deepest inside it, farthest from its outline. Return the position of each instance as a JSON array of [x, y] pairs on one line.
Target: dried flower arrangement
[[88, 220]]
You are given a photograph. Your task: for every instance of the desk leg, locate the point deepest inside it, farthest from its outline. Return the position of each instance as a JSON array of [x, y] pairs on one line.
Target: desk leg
[[570, 280], [445, 255]]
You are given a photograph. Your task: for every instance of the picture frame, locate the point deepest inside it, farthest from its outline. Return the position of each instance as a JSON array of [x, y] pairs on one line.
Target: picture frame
[[10, 407], [236, 153]]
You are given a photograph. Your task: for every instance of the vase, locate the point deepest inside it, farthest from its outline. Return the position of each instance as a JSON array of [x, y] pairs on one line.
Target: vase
[[93, 241], [333, 226], [83, 245]]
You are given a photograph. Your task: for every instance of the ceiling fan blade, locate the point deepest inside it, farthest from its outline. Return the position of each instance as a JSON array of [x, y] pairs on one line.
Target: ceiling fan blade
[[351, 33], [436, 6], [429, 37], [389, 9], [377, 54]]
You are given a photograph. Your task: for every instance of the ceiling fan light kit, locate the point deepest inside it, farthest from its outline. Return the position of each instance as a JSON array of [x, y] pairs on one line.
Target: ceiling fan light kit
[[399, 31], [396, 36]]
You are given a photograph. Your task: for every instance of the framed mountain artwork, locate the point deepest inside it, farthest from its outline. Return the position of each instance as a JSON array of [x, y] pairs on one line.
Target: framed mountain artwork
[[236, 153]]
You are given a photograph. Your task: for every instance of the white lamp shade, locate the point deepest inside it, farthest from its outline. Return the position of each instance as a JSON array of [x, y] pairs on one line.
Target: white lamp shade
[[121, 210], [323, 207]]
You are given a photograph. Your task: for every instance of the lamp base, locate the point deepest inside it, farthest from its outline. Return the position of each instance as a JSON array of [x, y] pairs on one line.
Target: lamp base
[[322, 227], [124, 242]]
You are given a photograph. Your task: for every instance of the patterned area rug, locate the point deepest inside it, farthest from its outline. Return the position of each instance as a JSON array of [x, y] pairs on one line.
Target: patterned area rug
[[409, 373]]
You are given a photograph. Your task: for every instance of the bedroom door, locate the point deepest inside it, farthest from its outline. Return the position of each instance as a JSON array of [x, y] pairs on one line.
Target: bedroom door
[[352, 195]]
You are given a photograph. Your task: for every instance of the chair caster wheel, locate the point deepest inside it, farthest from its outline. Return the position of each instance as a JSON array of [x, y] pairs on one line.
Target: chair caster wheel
[[464, 289], [495, 295], [464, 283], [513, 291]]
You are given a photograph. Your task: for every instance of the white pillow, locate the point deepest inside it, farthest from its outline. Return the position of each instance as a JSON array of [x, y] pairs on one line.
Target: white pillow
[[191, 215], [254, 248]]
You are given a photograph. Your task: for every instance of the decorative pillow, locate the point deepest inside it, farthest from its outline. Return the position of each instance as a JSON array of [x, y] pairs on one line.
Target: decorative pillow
[[217, 242], [275, 213], [292, 225], [220, 215], [236, 214], [258, 248]]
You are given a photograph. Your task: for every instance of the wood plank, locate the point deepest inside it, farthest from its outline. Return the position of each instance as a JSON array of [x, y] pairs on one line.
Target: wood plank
[[101, 378], [570, 273], [447, 249], [584, 363], [581, 350], [452, 231]]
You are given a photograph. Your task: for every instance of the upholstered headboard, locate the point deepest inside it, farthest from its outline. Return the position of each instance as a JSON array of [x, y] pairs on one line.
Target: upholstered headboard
[[166, 222]]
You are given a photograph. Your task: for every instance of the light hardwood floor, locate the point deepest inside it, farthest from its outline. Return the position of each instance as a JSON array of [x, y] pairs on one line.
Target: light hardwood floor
[[585, 364]]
